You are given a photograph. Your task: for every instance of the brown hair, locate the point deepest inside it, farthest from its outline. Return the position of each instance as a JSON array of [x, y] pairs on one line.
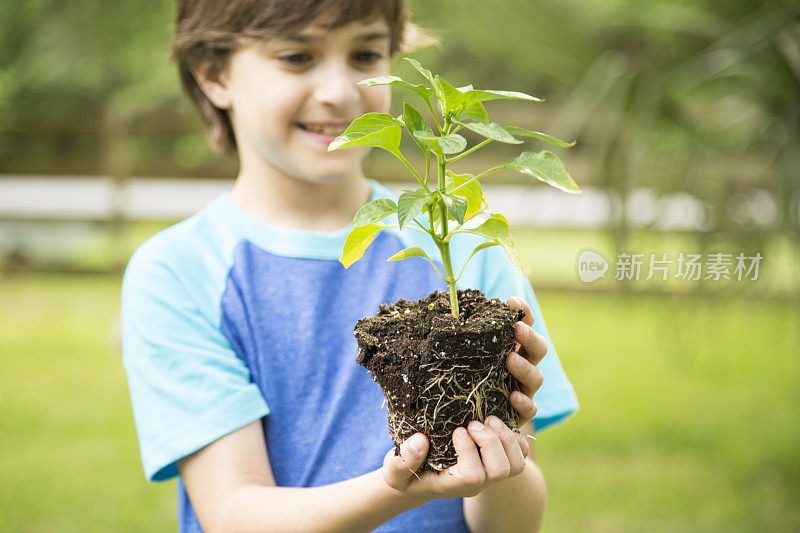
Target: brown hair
[[212, 29]]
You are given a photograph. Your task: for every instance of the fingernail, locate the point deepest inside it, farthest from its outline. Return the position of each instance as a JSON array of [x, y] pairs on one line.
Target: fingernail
[[475, 426], [495, 423], [519, 328], [416, 443]]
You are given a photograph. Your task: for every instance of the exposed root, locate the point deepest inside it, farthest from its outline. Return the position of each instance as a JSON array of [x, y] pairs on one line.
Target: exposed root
[[458, 377], [453, 396]]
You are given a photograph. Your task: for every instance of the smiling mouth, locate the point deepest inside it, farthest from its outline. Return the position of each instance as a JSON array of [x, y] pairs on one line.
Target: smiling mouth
[[328, 131]]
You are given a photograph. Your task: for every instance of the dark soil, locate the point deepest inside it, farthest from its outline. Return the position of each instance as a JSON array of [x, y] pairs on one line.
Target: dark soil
[[439, 372]]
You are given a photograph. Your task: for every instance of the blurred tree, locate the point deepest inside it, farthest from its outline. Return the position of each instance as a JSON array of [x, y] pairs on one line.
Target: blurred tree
[[76, 60], [696, 96], [75, 77]]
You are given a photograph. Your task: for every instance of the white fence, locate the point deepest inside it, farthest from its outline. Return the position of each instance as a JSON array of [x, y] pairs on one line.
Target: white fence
[[88, 198]]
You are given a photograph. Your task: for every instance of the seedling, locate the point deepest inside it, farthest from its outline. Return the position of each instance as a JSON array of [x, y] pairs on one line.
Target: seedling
[[456, 197], [442, 377]]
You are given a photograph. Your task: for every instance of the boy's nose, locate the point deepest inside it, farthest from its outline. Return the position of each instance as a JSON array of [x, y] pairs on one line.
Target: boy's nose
[[336, 86]]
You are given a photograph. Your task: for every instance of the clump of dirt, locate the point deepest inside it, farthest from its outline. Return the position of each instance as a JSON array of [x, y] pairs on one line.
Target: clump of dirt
[[439, 372]]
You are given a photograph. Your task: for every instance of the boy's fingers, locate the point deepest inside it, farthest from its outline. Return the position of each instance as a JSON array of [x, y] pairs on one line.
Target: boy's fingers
[[495, 460], [399, 470], [520, 303], [511, 445], [468, 471], [533, 345], [529, 376], [523, 405]]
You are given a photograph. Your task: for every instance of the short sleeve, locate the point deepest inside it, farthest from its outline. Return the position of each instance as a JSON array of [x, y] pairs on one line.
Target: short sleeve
[[556, 398], [188, 387]]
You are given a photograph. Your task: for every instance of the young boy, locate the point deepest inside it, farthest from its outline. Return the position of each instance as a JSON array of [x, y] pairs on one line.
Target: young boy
[[237, 323]]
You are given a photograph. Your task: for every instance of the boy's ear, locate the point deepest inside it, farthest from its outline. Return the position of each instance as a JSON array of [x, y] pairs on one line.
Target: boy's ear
[[212, 79]]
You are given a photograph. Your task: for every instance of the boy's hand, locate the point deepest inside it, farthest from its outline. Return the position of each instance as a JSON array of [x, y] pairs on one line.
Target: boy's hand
[[501, 456], [531, 348], [502, 451]]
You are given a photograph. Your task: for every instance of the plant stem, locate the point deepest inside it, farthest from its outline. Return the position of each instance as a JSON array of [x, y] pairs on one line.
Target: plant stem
[[413, 171], [441, 183], [451, 280], [436, 120], [444, 246]]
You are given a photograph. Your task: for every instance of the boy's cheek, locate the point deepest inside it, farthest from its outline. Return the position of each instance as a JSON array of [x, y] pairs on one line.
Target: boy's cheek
[[378, 98]]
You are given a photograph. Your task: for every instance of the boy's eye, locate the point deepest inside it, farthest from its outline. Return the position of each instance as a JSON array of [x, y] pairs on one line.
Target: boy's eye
[[368, 57], [296, 59]]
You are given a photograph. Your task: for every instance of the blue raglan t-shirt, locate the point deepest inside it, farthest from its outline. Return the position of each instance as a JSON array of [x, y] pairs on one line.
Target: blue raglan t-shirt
[[227, 320]]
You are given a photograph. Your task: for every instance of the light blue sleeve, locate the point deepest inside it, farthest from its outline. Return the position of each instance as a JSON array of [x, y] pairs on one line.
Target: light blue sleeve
[[498, 278], [188, 387]]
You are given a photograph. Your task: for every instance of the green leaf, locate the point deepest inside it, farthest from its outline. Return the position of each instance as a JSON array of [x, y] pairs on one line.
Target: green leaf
[[374, 212], [497, 229], [476, 112], [513, 130], [486, 244], [357, 243], [546, 167], [387, 138], [448, 144], [422, 70], [478, 95], [491, 130], [471, 191], [372, 122], [415, 123], [415, 252], [456, 206], [420, 89], [451, 100], [430, 140], [371, 129], [410, 204], [380, 80], [462, 102], [409, 252], [453, 143]]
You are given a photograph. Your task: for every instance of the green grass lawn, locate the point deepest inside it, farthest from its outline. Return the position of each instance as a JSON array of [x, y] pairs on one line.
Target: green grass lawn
[[68, 453], [548, 254], [689, 415]]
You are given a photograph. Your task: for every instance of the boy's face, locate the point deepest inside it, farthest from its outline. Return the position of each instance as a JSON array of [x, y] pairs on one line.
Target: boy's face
[[289, 97]]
